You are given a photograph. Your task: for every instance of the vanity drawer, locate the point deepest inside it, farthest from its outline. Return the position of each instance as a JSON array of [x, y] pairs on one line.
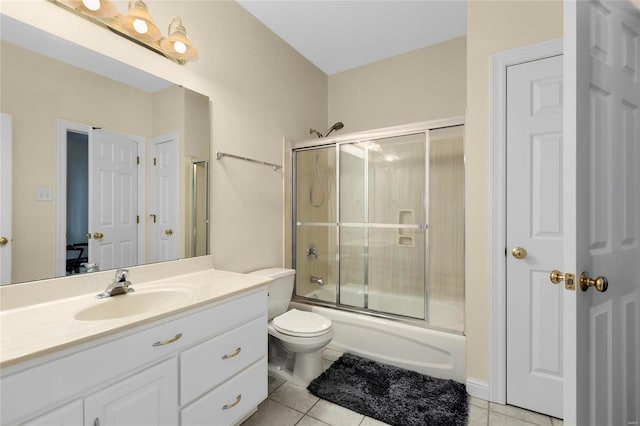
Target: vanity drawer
[[227, 404], [208, 364]]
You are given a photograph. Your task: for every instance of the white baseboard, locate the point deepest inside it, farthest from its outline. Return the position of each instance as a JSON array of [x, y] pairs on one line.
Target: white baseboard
[[478, 389]]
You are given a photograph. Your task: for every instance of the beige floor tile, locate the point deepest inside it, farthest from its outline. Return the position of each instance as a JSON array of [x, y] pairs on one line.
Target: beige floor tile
[[478, 416], [368, 421], [310, 421], [497, 419], [295, 397], [335, 415], [478, 402], [326, 364], [556, 422], [331, 354], [274, 383], [521, 414], [271, 413]]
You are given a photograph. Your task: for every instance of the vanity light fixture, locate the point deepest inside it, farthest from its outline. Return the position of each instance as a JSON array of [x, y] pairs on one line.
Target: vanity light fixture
[[137, 25], [178, 43], [99, 8]]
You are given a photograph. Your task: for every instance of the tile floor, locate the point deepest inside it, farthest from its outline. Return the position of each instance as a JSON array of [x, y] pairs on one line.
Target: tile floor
[[289, 405]]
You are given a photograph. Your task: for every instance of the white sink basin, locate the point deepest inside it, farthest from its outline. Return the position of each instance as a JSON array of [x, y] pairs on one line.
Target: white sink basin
[[135, 303]]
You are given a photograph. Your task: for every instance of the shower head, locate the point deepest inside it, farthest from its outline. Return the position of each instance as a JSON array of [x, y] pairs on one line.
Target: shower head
[[314, 131], [337, 126]]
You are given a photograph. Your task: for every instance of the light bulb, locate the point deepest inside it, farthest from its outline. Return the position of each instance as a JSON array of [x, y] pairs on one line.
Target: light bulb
[[140, 26], [91, 4], [179, 47]]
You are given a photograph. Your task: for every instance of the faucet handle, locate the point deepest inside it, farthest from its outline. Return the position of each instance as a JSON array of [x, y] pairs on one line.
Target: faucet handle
[[122, 274]]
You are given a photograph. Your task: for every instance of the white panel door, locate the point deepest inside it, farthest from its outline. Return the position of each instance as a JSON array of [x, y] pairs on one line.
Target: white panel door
[[113, 199], [602, 194], [5, 199], [534, 225], [165, 233]]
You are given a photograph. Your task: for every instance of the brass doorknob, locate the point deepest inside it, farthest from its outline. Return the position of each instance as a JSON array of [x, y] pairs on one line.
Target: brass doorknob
[[97, 235], [169, 232], [88, 235], [600, 283], [3, 241], [519, 252]]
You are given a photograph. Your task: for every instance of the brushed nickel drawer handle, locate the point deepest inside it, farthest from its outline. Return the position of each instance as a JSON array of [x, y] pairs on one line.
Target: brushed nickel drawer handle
[[166, 342], [233, 404], [231, 355]]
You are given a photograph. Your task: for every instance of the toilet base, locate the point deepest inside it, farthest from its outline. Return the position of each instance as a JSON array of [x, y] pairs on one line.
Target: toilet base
[[298, 368], [276, 370]]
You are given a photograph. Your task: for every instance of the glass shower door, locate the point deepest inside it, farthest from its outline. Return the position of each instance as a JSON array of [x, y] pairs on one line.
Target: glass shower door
[[315, 229], [383, 244]]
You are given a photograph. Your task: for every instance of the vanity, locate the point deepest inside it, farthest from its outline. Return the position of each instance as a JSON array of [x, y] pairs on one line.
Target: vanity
[[185, 350]]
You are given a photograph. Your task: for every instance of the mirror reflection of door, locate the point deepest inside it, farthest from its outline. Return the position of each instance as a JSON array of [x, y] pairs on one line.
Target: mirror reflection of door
[[99, 199], [165, 198], [113, 200]]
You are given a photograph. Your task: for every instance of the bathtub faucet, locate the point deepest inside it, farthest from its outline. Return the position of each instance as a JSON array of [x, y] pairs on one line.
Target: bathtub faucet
[[317, 280]]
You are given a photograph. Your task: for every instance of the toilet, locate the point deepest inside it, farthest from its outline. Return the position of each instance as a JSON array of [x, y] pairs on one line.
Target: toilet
[[296, 338]]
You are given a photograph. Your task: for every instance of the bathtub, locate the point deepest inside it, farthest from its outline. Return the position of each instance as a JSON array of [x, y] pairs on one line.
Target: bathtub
[[436, 353]]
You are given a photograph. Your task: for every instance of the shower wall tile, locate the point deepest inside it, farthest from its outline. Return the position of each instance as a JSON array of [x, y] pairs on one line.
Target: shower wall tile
[[446, 217]]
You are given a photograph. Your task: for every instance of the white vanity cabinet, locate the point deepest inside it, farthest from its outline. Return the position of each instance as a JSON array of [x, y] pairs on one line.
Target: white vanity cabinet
[[160, 373], [146, 398]]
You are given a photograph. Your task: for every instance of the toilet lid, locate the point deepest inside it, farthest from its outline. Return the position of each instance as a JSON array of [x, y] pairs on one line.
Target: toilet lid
[[301, 323]]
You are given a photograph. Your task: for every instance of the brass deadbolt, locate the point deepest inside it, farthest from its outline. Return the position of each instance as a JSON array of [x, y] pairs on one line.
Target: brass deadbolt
[[169, 232]]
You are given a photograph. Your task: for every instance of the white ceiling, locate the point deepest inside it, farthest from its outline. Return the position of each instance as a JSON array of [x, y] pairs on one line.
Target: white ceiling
[[339, 35]]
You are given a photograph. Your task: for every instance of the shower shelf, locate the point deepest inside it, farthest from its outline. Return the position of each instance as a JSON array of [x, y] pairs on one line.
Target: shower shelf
[[220, 155]]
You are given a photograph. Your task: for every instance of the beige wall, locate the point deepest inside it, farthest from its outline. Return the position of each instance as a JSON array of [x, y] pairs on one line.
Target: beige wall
[[424, 84], [492, 26], [261, 90]]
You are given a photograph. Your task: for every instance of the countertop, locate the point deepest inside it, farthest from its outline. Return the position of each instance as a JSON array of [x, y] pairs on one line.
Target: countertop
[[35, 330]]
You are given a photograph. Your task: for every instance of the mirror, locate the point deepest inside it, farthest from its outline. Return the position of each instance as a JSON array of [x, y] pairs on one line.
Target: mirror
[[110, 164]]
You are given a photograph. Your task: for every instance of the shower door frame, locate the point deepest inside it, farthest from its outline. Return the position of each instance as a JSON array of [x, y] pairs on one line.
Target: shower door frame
[[365, 136]]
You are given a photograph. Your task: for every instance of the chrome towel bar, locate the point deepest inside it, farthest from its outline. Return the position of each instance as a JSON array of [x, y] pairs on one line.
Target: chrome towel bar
[[220, 155]]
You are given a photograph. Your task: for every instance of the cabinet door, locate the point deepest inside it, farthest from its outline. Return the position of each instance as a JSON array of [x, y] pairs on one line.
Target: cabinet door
[[149, 398], [67, 415]]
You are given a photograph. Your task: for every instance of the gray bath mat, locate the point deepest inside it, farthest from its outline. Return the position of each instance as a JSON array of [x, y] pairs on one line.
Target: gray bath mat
[[390, 394]]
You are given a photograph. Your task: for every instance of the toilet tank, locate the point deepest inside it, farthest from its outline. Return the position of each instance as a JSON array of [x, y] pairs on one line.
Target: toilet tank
[[280, 289]]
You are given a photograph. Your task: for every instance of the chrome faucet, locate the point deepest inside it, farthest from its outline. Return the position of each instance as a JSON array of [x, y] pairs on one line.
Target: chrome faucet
[[120, 285], [317, 280]]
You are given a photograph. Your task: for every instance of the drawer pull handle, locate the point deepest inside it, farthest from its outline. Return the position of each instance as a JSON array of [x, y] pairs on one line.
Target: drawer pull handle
[[96, 421], [233, 404], [166, 342], [231, 355]]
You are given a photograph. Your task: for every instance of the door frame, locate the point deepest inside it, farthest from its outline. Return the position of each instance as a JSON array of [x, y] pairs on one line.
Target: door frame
[[6, 189], [62, 126], [497, 387]]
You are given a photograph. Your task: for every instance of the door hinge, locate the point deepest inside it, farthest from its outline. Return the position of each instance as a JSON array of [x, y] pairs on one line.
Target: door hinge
[[154, 161], [138, 160], [137, 219]]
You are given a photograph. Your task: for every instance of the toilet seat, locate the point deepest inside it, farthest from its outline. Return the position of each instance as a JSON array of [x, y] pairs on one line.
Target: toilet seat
[[301, 324]]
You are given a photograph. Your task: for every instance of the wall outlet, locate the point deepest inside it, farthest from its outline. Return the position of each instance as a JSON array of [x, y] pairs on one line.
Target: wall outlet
[[43, 194]]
